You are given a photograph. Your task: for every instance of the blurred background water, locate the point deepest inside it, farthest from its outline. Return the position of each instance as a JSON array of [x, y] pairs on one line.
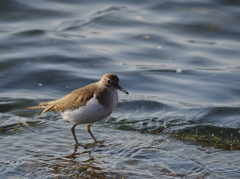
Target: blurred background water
[[179, 60]]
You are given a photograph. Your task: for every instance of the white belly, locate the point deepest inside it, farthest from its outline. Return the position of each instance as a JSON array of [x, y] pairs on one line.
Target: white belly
[[93, 111]]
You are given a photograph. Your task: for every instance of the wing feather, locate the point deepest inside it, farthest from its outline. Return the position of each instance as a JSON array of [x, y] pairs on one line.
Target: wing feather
[[72, 100]]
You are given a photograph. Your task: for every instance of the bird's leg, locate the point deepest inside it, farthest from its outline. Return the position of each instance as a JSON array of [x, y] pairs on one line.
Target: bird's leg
[[89, 131], [73, 132]]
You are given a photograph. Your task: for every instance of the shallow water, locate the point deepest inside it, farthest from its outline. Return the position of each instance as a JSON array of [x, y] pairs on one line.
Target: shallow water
[[179, 60]]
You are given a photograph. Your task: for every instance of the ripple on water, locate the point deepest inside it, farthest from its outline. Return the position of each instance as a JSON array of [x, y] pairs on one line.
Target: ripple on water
[[178, 60]]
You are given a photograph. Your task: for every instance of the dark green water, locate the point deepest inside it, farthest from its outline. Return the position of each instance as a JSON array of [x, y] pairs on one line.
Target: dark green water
[[179, 60]]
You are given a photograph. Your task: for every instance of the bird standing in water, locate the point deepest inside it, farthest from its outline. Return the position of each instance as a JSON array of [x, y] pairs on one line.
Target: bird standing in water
[[88, 104]]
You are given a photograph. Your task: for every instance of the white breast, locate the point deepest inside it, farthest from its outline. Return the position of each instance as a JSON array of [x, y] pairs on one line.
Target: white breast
[[93, 111]]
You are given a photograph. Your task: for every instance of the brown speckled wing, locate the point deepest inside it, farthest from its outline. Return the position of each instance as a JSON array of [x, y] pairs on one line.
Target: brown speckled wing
[[73, 100]]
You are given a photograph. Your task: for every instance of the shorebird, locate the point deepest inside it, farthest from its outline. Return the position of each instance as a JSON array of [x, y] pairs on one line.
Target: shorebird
[[88, 104]]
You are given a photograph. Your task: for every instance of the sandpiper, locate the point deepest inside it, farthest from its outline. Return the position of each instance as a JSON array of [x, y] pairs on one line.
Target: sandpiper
[[88, 104]]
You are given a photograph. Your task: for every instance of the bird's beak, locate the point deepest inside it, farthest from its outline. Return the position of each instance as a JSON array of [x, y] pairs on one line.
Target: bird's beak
[[121, 89]]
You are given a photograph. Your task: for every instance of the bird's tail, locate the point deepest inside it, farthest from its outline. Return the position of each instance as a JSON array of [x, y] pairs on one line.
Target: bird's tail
[[47, 106], [36, 107]]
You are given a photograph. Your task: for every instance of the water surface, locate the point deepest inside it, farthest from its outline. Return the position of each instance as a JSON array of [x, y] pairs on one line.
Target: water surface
[[179, 60]]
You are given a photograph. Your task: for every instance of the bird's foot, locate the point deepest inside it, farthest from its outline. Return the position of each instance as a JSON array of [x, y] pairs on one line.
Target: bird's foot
[[101, 142], [77, 145]]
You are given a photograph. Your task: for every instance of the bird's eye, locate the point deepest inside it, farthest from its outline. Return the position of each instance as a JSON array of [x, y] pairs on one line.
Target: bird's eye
[[109, 81]]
